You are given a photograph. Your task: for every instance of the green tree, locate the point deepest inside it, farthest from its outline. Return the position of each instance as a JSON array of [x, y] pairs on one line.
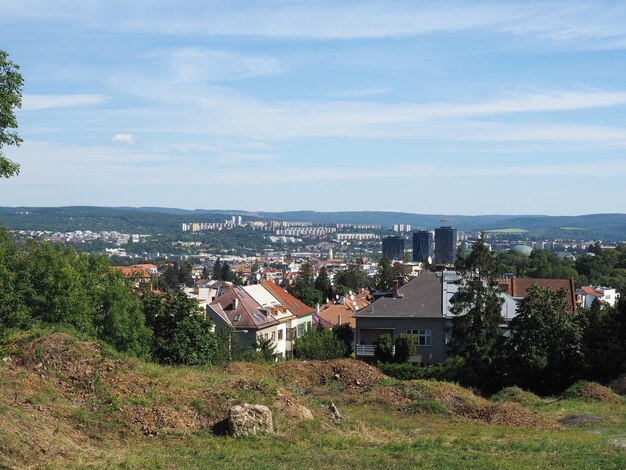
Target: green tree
[[544, 349], [217, 270], [181, 330], [383, 281], [602, 343], [345, 334], [405, 347], [351, 279], [319, 344], [322, 283], [383, 352], [476, 334], [11, 82], [304, 287]]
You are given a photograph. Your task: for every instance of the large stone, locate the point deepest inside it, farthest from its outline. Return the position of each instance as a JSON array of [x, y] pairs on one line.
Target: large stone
[[249, 420]]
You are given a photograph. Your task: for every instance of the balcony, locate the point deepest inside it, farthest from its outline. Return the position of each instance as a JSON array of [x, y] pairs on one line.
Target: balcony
[[367, 350]]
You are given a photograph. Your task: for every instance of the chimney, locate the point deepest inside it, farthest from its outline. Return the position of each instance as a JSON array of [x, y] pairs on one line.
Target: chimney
[[396, 285], [342, 300], [317, 309], [235, 303]]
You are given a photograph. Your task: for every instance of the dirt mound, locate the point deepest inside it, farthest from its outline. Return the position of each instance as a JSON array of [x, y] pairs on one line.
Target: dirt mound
[[619, 385], [353, 374], [590, 391], [516, 395], [463, 402]]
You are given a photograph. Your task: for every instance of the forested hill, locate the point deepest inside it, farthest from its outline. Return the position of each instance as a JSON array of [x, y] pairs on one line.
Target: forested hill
[[163, 220]]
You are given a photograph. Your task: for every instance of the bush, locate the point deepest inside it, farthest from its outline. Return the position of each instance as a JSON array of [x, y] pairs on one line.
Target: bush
[[405, 347], [320, 344], [446, 371], [345, 334], [383, 352]]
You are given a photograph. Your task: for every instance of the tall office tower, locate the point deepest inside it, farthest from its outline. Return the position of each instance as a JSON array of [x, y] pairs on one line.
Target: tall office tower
[[445, 245], [393, 247], [421, 246]]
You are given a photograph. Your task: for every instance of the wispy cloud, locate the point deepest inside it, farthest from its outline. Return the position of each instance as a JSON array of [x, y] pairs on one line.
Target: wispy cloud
[[557, 21], [38, 102], [124, 138], [198, 65]]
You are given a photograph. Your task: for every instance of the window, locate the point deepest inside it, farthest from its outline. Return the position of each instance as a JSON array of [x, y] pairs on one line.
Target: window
[[424, 337], [301, 329], [280, 335], [237, 318], [273, 336]]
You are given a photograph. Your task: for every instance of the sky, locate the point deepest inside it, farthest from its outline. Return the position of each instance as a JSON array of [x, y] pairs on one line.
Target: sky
[[462, 107]]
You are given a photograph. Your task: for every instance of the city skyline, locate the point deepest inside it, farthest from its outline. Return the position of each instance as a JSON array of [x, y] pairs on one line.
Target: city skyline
[[454, 107]]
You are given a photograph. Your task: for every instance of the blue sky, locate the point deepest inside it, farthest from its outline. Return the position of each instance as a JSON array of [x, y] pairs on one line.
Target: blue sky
[[429, 107]]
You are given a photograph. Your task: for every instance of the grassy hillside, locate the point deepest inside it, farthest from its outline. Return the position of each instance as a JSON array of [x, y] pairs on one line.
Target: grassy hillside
[[69, 403]]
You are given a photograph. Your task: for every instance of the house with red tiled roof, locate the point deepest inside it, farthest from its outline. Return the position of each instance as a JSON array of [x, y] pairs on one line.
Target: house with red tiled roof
[[238, 309], [587, 294], [342, 310], [517, 287], [303, 313]]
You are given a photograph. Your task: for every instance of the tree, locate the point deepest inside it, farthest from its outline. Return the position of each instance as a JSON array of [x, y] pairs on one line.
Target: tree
[[319, 344], [476, 334], [383, 352], [383, 281], [544, 348], [11, 82], [304, 287], [345, 334], [602, 343], [351, 279], [217, 270], [181, 330], [405, 347], [322, 283]]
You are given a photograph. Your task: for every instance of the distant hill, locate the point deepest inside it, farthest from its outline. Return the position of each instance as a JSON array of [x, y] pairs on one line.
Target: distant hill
[[160, 219]]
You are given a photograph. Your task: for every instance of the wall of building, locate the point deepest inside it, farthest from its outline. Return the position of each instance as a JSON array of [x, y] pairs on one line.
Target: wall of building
[[368, 330]]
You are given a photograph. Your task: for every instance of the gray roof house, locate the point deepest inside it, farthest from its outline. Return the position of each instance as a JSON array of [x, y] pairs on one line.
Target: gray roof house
[[421, 308]]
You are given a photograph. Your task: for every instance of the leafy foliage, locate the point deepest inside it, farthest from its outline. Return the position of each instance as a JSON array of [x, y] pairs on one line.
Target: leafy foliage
[[11, 82], [383, 352], [181, 330], [320, 344], [345, 334], [405, 347], [385, 275]]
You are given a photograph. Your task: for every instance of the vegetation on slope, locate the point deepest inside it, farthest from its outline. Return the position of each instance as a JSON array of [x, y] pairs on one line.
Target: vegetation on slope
[[70, 402]]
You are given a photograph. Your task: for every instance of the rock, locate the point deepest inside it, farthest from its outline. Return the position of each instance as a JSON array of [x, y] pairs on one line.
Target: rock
[[334, 411], [249, 419], [581, 419], [300, 412]]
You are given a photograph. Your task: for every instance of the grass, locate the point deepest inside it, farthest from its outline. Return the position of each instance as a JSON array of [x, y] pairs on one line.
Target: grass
[[388, 424]]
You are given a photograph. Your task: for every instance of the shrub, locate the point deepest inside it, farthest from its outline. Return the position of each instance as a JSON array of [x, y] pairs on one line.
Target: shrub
[[405, 347], [447, 371], [383, 352], [320, 344]]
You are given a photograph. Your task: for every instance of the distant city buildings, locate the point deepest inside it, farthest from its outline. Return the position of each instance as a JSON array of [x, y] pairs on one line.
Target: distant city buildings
[[422, 246], [445, 245], [393, 247]]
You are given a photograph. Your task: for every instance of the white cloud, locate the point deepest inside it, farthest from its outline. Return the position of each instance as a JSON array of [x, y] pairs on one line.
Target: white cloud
[[124, 138], [38, 102], [556, 21], [198, 65]]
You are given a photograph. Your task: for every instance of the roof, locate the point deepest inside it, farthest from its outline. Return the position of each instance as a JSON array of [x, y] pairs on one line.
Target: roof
[[419, 298], [517, 287], [248, 313], [588, 290], [132, 271], [296, 306], [331, 312], [145, 266]]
